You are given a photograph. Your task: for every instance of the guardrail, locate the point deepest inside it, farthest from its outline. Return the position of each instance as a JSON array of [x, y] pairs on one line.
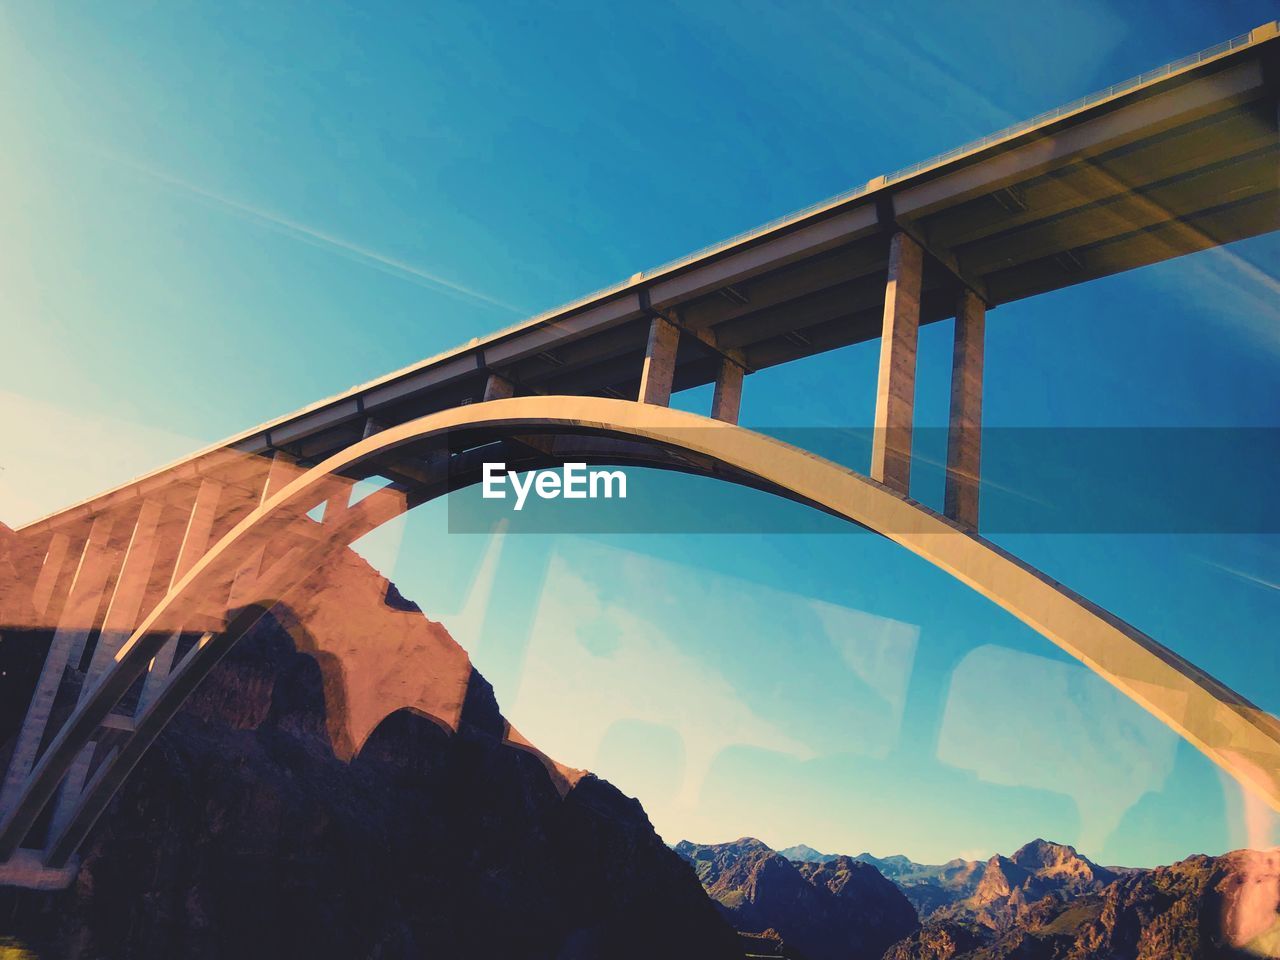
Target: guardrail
[[973, 146]]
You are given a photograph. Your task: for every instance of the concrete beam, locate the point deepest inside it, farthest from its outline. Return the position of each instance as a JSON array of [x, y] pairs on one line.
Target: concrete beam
[[896, 384], [50, 572], [711, 341], [283, 471], [195, 541], [728, 395], [659, 362], [338, 504], [124, 610], [964, 437], [498, 387], [946, 259]]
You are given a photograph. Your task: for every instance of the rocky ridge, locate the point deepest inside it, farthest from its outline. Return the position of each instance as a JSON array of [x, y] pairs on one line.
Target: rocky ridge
[[344, 786], [841, 909], [1201, 908]]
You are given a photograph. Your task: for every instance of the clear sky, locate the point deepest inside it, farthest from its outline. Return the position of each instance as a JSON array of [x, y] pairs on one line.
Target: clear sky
[[216, 213]]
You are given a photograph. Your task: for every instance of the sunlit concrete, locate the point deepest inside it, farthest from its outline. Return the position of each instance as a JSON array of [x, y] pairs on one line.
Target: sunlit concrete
[[658, 370], [726, 401], [498, 388], [964, 436], [896, 381]]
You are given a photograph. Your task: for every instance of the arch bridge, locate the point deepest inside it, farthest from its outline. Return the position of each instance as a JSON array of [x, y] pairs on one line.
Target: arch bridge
[[143, 588]]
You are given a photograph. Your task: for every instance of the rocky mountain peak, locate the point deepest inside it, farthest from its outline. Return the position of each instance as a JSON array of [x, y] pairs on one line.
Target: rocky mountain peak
[[803, 853], [343, 784], [1041, 853], [1007, 887], [1061, 865], [1202, 907], [833, 910]]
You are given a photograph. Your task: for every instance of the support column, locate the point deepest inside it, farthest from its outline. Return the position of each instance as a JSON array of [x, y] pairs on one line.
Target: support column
[[195, 541], [78, 614], [131, 587], [659, 362], [498, 388], [338, 503], [728, 396], [964, 436], [896, 385], [121, 617], [284, 470], [50, 572]]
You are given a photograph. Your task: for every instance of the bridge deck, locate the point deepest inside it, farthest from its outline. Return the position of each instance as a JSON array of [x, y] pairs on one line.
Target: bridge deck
[[1176, 161]]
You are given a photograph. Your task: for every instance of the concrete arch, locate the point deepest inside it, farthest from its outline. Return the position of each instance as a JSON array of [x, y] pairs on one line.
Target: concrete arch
[[1241, 738]]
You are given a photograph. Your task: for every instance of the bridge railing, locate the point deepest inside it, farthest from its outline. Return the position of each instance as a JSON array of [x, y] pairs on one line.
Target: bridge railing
[[1066, 109]]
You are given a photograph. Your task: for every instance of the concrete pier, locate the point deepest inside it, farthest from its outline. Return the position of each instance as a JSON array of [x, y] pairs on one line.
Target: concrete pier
[[195, 541], [964, 437], [50, 572], [659, 362], [498, 388], [896, 384], [727, 399]]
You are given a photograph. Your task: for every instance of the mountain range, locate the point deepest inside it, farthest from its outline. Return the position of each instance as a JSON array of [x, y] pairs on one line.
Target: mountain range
[[344, 785], [1045, 901], [266, 823], [1201, 908], [837, 909]]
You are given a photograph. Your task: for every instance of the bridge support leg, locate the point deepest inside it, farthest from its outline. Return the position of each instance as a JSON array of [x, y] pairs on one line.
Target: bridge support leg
[[659, 362], [728, 396], [283, 470], [964, 437], [131, 587], [50, 572], [118, 623], [498, 388], [78, 615], [195, 541], [896, 385]]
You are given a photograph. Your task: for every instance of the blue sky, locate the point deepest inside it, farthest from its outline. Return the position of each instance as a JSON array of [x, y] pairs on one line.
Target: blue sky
[[218, 213]]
